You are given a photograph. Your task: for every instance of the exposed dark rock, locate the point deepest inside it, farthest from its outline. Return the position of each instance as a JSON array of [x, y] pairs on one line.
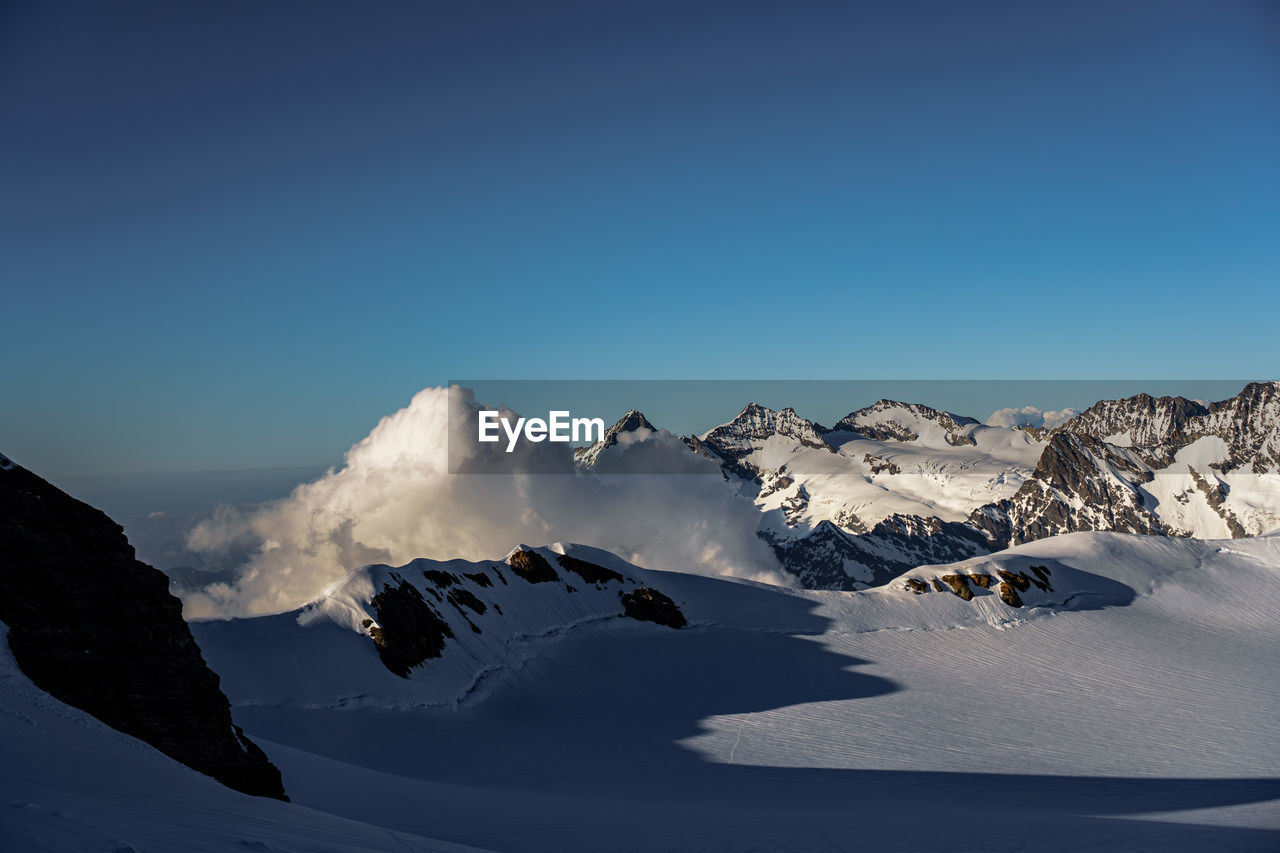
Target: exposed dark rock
[[649, 605], [887, 431], [531, 566], [97, 629], [460, 598], [1018, 580], [444, 580], [879, 464], [982, 580], [959, 585], [848, 521], [589, 572], [793, 508], [1041, 578], [1157, 427], [1080, 483], [1010, 596], [937, 585], [1215, 494], [480, 579], [916, 585], [408, 630], [778, 484]]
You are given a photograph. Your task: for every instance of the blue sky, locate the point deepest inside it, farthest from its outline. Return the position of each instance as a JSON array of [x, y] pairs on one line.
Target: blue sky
[[234, 235]]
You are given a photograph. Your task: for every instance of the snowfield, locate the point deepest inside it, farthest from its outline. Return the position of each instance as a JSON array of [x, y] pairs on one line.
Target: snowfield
[[1129, 706], [70, 783]]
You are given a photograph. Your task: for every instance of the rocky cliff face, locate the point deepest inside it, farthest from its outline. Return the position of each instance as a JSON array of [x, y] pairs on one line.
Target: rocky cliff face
[[1157, 427], [1081, 483], [734, 441], [1097, 470], [98, 629], [632, 422]]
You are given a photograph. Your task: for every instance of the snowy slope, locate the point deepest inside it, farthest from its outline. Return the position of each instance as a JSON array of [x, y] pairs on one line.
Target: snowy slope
[[1130, 706], [485, 615], [1165, 466], [889, 459], [1210, 470], [70, 783]]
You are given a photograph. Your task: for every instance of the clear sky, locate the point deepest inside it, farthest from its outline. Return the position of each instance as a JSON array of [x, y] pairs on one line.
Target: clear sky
[[235, 234]]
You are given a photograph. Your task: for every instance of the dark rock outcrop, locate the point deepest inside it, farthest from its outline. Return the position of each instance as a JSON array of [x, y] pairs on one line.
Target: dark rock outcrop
[[1010, 596], [441, 579], [916, 585], [649, 605], [959, 585], [97, 629], [408, 630], [589, 572], [531, 566]]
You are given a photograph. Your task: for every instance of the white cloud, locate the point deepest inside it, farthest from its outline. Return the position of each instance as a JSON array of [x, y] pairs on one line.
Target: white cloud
[[1030, 416], [395, 500]]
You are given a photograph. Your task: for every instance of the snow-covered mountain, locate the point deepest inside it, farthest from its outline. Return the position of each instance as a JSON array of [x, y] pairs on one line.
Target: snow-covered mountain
[[1076, 690], [430, 632], [895, 485], [1104, 690], [888, 488], [633, 426], [1167, 465]]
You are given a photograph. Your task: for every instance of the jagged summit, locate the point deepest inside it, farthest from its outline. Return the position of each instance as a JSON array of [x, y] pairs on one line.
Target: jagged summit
[[1138, 421], [1158, 427], [760, 422], [1081, 483], [633, 421]]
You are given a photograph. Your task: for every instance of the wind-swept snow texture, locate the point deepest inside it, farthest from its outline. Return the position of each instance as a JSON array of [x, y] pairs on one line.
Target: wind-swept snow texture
[[1129, 706]]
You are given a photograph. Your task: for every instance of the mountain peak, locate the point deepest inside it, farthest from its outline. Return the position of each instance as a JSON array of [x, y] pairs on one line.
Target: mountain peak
[[891, 420], [757, 422], [633, 421]]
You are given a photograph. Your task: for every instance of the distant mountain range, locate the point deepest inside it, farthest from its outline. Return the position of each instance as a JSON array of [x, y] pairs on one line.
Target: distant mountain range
[[897, 485]]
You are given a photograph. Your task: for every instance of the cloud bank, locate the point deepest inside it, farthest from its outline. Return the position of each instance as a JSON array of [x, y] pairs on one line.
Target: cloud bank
[[394, 501], [1030, 416]]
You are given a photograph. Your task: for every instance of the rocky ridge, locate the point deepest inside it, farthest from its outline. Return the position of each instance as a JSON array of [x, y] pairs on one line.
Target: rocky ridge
[[99, 630]]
